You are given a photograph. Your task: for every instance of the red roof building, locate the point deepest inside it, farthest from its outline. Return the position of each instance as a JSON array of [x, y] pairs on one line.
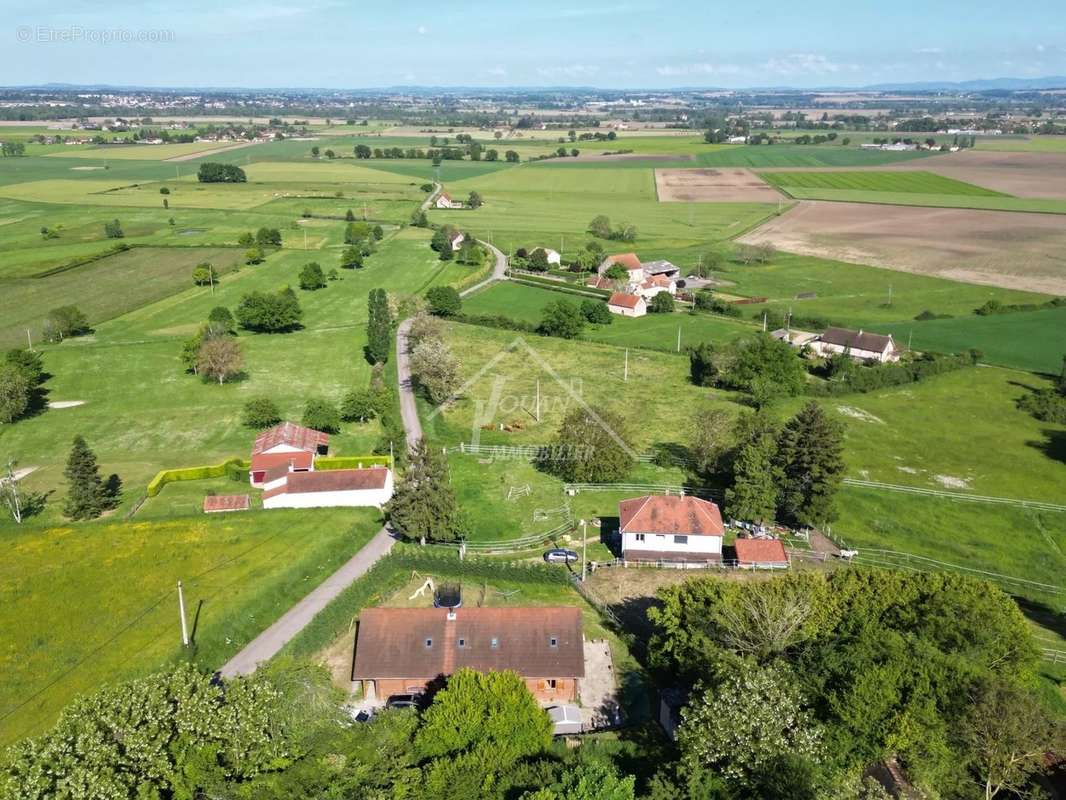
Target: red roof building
[[288, 447], [401, 650], [627, 260], [761, 553], [330, 488], [669, 528]]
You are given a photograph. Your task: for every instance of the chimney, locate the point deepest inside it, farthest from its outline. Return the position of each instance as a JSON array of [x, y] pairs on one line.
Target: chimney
[[451, 616]]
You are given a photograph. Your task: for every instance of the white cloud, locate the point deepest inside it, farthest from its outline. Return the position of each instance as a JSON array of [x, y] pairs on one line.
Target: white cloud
[[805, 64], [1040, 48], [701, 68], [568, 71], [496, 72], [422, 30], [929, 51]]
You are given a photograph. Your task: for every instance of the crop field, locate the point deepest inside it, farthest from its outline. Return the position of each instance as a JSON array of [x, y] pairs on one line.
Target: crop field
[[94, 604], [1029, 340], [1023, 175], [761, 157], [919, 182], [995, 248], [1024, 144], [712, 185]]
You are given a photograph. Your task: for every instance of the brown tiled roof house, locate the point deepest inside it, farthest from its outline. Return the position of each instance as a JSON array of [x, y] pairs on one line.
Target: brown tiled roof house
[[402, 650], [670, 528]]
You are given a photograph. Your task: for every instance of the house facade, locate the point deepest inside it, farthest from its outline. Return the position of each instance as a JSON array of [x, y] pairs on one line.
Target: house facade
[[628, 305], [403, 650], [628, 261], [444, 200], [860, 345], [371, 487], [288, 447], [669, 528]]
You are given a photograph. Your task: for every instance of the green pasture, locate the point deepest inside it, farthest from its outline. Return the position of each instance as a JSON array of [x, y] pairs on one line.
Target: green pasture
[[1028, 340], [96, 603], [916, 182], [753, 156], [323, 171]]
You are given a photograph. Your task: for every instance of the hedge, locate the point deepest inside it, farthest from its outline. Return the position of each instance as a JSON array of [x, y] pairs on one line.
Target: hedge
[[352, 462], [559, 286], [232, 467]]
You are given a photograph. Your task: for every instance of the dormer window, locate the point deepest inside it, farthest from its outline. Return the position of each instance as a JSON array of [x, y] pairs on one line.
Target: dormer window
[[429, 642], [553, 642], [462, 642], [495, 643]]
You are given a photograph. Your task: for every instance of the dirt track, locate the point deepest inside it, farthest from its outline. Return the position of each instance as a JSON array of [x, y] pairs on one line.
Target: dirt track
[[995, 248], [723, 185]]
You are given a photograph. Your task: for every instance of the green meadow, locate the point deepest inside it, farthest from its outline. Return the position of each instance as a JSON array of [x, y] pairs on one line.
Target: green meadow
[[94, 603]]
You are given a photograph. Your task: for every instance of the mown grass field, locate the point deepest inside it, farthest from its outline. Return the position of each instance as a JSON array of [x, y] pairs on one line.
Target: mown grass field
[[1035, 144], [89, 604], [897, 182], [753, 156], [1032, 205], [142, 152]]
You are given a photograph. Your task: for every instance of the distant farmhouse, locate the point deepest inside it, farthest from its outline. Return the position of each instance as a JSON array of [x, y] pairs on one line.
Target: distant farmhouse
[[403, 650], [860, 345], [667, 528], [644, 281], [444, 200], [456, 240], [283, 465]]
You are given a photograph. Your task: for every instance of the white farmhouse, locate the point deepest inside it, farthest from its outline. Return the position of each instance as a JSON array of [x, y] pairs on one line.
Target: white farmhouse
[[444, 200], [328, 488], [628, 305], [860, 345], [667, 528]]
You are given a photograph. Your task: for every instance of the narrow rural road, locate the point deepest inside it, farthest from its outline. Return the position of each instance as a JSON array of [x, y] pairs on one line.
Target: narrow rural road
[[412, 425], [270, 642], [499, 271], [267, 644]]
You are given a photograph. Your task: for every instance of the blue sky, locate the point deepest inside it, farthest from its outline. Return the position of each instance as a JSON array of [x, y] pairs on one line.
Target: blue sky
[[629, 43]]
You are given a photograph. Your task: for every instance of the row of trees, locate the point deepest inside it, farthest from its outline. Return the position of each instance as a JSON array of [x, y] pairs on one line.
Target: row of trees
[[378, 327], [765, 368], [283, 734], [475, 151]]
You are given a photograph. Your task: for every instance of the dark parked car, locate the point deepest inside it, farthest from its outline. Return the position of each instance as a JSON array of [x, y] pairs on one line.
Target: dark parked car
[[560, 556], [402, 701]]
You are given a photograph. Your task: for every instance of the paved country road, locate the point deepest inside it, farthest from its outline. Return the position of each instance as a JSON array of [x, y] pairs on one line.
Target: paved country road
[[267, 644]]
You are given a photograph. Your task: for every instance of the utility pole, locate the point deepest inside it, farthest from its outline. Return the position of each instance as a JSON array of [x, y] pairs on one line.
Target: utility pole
[[764, 322], [538, 400], [181, 609], [909, 337], [890, 294], [679, 338], [29, 341], [625, 374], [584, 551], [305, 238]]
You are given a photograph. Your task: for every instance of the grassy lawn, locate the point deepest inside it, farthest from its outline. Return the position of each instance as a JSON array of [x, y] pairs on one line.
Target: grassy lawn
[[897, 182], [96, 603]]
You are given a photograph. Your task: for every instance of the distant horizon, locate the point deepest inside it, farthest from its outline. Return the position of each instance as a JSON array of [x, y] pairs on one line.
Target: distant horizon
[[1059, 82], [335, 44]]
